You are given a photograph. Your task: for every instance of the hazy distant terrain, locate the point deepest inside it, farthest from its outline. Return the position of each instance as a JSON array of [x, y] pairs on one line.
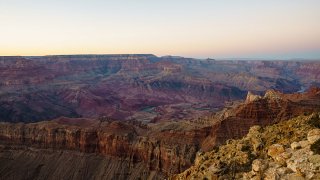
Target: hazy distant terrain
[[137, 87]]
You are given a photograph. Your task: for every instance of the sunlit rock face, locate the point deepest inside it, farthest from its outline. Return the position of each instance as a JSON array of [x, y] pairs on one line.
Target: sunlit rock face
[[271, 108], [287, 150]]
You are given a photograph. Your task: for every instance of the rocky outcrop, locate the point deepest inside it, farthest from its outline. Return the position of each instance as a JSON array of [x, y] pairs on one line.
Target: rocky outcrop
[[297, 161], [256, 110], [288, 150], [252, 97]]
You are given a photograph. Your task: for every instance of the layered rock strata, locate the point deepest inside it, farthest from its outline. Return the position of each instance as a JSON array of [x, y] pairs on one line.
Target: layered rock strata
[[271, 108], [166, 151], [137, 86]]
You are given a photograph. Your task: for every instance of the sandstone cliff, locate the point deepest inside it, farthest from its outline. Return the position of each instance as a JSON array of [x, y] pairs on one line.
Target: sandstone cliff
[[273, 107], [166, 151]]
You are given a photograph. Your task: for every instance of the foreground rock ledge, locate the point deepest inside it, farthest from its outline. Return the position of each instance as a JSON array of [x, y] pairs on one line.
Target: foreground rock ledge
[[288, 150]]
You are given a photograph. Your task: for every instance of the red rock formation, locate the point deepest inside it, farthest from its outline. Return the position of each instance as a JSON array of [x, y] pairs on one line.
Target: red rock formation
[[167, 151], [256, 110], [168, 147]]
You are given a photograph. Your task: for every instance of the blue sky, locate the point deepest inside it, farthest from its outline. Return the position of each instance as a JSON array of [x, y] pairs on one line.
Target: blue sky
[[232, 28]]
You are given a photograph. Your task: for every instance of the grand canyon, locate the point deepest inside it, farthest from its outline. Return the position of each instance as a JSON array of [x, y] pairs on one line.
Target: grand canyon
[[140, 116], [159, 90]]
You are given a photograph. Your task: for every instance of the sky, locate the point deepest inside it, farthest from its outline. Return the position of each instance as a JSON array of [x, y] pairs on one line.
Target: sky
[[275, 29]]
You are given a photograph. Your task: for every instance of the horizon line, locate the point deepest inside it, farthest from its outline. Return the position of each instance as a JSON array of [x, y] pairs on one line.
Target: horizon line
[[160, 56]]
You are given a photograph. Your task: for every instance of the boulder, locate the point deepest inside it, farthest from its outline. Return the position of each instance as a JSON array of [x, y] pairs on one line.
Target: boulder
[[295, 145], [259, 165], [313, 135], [304, 143], [275, 149]]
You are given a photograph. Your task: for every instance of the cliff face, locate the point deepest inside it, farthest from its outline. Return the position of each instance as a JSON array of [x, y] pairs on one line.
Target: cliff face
[[166, 151], [29, 163], [273, 107]]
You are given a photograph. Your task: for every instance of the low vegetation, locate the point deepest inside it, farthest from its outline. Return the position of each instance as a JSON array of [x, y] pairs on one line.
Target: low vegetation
[[287, 150]]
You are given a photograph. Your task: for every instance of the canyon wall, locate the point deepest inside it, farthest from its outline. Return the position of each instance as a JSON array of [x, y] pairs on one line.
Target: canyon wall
[[141, 87], [166, 151], [265, 110], [162, 148]]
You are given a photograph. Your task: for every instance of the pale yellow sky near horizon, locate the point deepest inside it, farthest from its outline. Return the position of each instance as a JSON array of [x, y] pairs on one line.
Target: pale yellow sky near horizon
[[272, 29]]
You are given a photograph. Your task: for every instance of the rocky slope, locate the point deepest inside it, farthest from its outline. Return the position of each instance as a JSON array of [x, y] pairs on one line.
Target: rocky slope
[[264, 110], [287, 150], [30, 163], [142, 87]]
